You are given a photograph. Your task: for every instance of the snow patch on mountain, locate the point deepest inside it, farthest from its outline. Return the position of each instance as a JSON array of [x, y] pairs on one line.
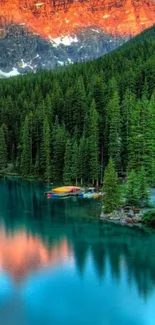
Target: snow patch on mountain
[[24, 64], [14, 72], [61, 62], [65, 40]]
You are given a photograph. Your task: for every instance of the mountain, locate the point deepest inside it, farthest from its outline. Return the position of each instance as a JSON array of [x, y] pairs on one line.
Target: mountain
[[37, 35]]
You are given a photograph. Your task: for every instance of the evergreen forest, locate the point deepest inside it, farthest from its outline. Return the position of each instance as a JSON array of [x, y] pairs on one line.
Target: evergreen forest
[[63, 125]]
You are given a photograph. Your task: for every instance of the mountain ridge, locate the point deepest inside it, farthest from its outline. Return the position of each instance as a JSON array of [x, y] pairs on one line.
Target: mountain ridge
[[56, 18]]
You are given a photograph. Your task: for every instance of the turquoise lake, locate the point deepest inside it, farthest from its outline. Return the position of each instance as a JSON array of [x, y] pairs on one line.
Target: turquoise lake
[[61, 265]]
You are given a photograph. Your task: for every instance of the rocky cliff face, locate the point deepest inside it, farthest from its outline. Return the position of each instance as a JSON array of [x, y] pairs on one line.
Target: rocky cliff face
[[40, 34], [54, 18]]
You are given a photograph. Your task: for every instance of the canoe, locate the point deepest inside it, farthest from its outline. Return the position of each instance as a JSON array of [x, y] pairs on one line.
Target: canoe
[[50, 195], [65, 189], [55, 195]]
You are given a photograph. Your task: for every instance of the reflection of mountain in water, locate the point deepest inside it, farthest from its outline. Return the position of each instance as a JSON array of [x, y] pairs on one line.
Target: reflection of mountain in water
[[45, 224], [21, 254]]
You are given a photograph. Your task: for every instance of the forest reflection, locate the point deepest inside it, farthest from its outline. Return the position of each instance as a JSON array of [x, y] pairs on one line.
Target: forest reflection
[[36, 233]]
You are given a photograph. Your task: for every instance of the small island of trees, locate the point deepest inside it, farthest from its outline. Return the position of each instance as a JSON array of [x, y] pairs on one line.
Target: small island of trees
[[134, 194]]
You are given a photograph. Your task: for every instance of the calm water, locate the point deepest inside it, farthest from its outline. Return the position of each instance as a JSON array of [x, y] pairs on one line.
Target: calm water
[[61, 265]]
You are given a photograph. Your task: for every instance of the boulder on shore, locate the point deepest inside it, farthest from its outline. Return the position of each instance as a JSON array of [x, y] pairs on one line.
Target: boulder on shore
[[122, 217], [129, 220], [137, 219]]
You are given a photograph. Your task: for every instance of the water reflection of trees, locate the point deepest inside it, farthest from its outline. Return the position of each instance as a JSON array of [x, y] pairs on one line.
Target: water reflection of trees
[[126, 249]]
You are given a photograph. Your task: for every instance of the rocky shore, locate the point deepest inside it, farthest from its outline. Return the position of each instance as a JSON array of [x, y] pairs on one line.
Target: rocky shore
[[124, 216]]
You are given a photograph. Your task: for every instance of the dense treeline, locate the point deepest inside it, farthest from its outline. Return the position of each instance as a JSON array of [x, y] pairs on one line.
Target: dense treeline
[[64, 125]]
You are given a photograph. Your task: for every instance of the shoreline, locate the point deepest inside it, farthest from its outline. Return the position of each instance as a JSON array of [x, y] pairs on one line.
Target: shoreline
[[37, 179], [126, 215], [18, 176], [123, 221]]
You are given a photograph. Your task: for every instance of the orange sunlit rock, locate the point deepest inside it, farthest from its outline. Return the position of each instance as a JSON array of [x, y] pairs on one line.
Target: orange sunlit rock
[[54, 18], [21, 254]]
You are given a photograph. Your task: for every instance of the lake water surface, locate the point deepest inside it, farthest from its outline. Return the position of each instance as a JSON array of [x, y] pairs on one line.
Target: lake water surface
[[61, 265]]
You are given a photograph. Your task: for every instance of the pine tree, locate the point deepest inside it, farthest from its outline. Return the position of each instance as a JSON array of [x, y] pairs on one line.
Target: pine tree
[[67, 173], [31, 134], [3, 150], [59, 145], [132, 189], [57, 100], [149, 158], [75, 166], [99, 93], [137, 144], [143, 124], [49, 110], [79, 105], [93, 143], [111, 89], [114, 130], [112, 197], [46, 151], [83, 158], [38, 134], [69, 110], [25, 154], [127, 109], [143, 187]]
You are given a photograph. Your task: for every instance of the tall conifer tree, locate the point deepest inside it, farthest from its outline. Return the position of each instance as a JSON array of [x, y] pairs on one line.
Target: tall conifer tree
[[136, 139], [25, 154], [67, 173], [75, 166], [83, 158], [127, 109], [79, 105], [59, 145], [112, 196], [149, 158], [57, 100], [114, 130], [132, 190], [46, 151], [93, 143], [3, 150], [143, 186]]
